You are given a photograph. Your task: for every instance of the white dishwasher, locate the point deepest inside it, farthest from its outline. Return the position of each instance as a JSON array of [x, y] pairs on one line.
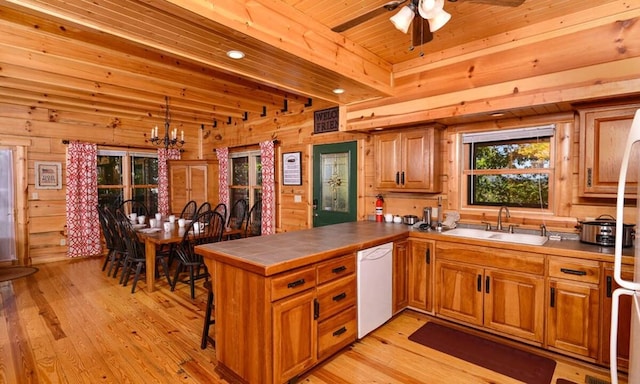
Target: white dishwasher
[[375, 269]]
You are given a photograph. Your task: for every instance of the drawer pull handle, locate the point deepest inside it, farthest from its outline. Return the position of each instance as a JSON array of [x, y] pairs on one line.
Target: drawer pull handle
[[573, 272], [339, 297], [296, 283], [339, 269], [340, 331]]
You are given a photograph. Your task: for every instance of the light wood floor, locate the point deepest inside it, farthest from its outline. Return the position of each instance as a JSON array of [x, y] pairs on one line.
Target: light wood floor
[[70, 323]]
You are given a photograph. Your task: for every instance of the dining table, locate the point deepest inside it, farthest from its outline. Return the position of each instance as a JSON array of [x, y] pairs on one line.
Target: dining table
[[156, 237]]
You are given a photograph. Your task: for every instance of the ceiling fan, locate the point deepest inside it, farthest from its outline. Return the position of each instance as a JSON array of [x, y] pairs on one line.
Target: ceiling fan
[[431, 12]]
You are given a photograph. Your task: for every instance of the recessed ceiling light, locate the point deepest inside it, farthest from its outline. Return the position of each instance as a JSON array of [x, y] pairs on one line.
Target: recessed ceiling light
[[338, 91], [237, 55], [497, 114]]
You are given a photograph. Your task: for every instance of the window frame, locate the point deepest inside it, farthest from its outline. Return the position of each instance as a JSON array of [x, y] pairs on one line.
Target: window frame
[[497, 135], [128, 185], [252, 187]]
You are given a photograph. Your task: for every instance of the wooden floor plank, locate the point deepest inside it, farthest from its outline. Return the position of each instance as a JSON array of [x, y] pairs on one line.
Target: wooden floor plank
[[70, 323]]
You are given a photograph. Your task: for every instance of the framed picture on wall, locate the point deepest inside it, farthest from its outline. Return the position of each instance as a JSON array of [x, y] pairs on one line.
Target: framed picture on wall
[[48, 175], [291, 168]]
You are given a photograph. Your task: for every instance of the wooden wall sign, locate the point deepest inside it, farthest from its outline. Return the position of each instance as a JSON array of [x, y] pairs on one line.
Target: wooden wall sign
[[326, 120]]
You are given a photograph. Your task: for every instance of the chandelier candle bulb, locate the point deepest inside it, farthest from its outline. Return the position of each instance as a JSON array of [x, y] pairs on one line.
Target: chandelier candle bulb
[[182, 135]]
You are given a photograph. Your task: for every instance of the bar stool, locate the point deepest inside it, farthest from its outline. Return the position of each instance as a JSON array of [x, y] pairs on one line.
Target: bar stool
[[208, 319]]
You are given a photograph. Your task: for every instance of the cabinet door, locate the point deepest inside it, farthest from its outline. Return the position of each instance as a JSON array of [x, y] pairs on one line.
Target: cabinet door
[[198, 183], [388, 160], [514, 304], [624, 319], [178, 187], [420, 275], [294, 335], [417, 161], [460, 292], [603, 133], [400, 294], [572, 318]]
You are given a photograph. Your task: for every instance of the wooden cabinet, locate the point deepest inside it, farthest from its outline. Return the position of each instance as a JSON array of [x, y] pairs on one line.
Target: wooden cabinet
[[490, 287], [314, 314], [624, 318], [400, 269], [573, 306], [420, 274], [603, 134], [408, 160], [188, 180]]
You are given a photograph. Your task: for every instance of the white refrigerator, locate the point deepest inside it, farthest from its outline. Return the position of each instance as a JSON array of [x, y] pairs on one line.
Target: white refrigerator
[[631, 288]]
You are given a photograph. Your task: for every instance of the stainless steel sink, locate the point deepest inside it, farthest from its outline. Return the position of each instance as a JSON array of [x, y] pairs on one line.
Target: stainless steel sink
[[517, 238]]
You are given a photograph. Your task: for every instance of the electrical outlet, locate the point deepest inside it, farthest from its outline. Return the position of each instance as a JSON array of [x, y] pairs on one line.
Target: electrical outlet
[[34, 196], [297, 199], [63, 241]]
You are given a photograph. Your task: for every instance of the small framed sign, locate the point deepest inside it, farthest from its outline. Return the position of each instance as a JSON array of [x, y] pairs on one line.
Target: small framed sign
[[291, 168], [326, 120], [48, 175]]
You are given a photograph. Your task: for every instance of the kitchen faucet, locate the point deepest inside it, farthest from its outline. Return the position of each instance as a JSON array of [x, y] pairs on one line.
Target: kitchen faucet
[[508, 215]]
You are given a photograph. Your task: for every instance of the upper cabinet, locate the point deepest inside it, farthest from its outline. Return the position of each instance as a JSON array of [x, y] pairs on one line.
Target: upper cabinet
[[408, 160], [603, 134]]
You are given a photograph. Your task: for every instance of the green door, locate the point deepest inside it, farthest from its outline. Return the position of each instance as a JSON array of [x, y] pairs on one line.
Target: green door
[[334, 183]]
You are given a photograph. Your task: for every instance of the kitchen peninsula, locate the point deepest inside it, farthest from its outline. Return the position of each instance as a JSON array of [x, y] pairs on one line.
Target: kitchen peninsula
[[286, 302]]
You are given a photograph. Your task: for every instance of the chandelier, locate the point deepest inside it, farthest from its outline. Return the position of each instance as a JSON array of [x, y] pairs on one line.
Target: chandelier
[[170, 139]]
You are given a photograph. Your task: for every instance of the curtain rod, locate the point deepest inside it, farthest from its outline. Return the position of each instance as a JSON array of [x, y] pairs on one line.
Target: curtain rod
[[66, 141]]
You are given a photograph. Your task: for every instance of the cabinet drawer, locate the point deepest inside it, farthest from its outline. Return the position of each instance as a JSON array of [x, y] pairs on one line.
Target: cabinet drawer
[[336, 296], [288, 283], [577, 270], [336, 268], [337, 332]]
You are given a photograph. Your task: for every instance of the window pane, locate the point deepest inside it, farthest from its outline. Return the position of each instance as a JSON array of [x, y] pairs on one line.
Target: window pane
[[335, 182], [109, 170], [526, 190], [148, 197], [240, 170], [258, 170], [522, 154], [145, 170], [239, 193], [110, 196]]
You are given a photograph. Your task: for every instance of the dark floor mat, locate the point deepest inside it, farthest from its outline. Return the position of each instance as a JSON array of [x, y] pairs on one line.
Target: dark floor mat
[[518, 364]]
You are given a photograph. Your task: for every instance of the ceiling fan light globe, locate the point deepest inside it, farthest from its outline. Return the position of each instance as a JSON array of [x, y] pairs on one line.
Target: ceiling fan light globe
[[402, 19], [439, 20], [426, 6]]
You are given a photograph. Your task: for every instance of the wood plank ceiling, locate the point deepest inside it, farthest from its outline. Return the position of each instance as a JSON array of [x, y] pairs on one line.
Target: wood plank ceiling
[[122, 57]]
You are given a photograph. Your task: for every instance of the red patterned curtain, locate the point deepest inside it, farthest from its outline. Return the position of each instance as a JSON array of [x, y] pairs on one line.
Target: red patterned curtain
[[163, 177], [267, 154], [223, 176], [83, 227]]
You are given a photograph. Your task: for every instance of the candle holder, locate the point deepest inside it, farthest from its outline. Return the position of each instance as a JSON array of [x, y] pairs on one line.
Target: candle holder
[[170, 138]]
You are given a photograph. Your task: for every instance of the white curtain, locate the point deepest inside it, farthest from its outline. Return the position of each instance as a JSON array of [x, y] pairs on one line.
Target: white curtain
[[7, 218]]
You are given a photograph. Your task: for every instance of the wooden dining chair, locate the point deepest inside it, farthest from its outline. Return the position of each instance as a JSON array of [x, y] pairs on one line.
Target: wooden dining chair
[[135, 259], [211, 226], [206, 206], [189, 210], [253, 224], [221, 208], [133, 206]]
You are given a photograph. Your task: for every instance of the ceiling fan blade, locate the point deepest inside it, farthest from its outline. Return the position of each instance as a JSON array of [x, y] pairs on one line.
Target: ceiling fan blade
[[420, 32], [388, 7], [503, 3]]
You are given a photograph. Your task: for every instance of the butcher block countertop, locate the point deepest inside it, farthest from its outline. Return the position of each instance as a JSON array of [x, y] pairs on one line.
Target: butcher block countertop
[[268, 255]]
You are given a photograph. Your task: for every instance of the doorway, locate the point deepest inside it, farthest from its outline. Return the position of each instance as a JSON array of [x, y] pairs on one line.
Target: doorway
[[7, 207], [334, 183]]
